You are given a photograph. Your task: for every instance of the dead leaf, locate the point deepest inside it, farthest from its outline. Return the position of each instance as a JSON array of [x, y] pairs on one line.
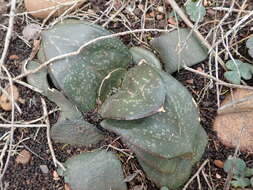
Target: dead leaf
[[24, 157], [31, 31], [5, 100], [234, 125]]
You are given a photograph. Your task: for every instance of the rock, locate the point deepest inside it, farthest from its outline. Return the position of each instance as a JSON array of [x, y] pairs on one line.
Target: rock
[[37, 5], [44, 169], [234, 123], [24, 157]]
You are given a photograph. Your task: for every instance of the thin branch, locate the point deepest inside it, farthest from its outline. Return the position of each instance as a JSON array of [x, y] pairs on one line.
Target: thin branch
[[9, 33]]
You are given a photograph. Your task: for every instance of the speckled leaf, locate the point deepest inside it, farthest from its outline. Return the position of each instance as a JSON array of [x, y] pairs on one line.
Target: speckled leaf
[[110, 84], [142, 94], [195, 10], [80, 76], [177, 49], [99, 170], [76, 132], [141, 54], [174, 136], [162, 165], [184, 166], [70, 127], [38, 79], [166, 134]]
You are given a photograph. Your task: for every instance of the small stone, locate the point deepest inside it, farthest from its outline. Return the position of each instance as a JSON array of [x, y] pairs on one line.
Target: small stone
[[24, 157], [218, 163], [159, 17], [218, 176], [55, 176], [160, 9], [44, 169]]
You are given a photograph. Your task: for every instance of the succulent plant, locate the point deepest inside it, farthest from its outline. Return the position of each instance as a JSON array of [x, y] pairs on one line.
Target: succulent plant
[[80, 76], [154, 114], [98, 170], [168, 141], [179, 48], [142, 94], [70, 128]]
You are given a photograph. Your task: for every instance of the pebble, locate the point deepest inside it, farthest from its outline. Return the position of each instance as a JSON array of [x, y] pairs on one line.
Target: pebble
[[44, 169], [24, 157]]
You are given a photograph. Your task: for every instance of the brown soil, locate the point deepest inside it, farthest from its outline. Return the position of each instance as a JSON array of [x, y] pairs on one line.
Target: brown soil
[[30, 176]]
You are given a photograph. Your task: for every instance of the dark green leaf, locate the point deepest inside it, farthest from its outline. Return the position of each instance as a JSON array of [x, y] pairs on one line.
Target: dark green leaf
[[141, 54], [179, 48], [80, 76], [142, 94], [99, 170]]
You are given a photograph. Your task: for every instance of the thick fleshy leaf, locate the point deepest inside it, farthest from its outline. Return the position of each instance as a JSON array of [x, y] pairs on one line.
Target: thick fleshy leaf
[[179, 48], [38, 79], [70, 127], [143, 55], [167, 166], [233, 77], [166, 134], [184, 166], [142, 94], [110, 84], [195, 10], [76, 132], [166, 138], [80, 76], [99, 170]]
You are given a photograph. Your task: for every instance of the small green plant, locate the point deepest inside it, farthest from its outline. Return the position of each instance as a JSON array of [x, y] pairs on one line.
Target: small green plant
[[237, 71], [154, 114], [195, 10], [242, 175]]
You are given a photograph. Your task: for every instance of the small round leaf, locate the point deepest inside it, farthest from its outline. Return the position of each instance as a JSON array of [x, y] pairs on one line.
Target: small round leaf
[[233, 77], [236, 164]]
